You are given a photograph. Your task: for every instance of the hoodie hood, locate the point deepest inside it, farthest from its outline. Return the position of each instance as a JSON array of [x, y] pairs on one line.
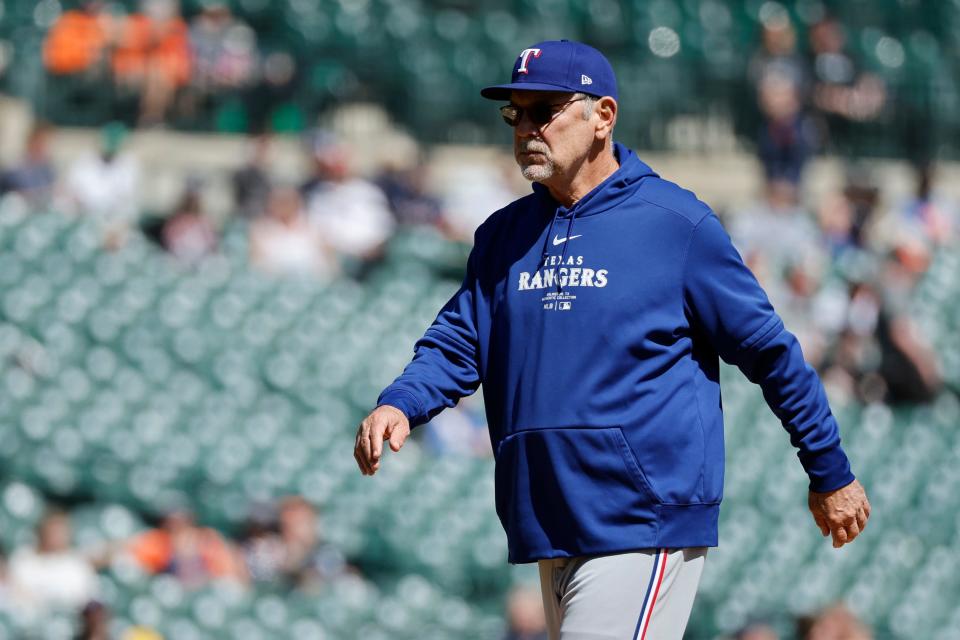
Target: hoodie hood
[[617, 187]]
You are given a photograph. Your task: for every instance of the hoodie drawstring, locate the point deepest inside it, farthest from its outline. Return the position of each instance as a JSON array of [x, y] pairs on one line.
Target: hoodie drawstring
[[563, 253], [546, 244], [546, 241]]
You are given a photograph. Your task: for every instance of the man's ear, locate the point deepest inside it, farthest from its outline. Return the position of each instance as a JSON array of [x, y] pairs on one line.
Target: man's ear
[[606, 110]]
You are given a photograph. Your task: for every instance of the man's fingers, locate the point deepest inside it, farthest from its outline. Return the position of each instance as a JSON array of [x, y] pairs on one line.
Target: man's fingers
[[365, 449], [368, 443], [822, 523], [845, 532], [818, 517], [398, 435], [853, 530], [356, 452], [358, 456], [375, 441], [839, 537], [862, 519]]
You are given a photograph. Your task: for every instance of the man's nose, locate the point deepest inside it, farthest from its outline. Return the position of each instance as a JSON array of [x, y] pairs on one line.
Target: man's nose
[[525, 127]]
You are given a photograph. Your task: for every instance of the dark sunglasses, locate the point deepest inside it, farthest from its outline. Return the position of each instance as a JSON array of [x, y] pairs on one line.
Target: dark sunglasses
[[539, 113]]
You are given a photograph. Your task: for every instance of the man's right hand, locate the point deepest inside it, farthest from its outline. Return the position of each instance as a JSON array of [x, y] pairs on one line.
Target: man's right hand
[[383, 423]]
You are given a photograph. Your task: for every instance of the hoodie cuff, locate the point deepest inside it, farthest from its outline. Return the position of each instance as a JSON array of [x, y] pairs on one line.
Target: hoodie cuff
[[402, 400], [828, 470]]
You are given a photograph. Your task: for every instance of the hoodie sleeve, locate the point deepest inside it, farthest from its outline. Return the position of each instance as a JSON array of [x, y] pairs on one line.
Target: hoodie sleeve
[[445, 363], [725, 301]]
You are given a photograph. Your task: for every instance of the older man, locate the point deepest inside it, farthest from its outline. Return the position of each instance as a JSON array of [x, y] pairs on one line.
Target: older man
[[594, 312]]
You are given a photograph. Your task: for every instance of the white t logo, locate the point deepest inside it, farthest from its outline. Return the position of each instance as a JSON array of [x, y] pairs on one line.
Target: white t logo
[[524, 56]]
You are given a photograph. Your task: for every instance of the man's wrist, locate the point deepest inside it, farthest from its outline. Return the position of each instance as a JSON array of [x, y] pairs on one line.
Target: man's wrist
[[829, 470], [402, 401], [393, 408]]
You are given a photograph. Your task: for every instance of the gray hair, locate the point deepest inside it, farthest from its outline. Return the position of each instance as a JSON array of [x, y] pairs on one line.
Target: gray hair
[[589, 102]]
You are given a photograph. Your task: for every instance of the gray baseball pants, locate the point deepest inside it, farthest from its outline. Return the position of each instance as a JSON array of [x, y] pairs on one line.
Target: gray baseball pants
[[638, 595]]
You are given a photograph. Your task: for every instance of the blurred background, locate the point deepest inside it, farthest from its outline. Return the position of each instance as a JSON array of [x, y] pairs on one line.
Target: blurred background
[[223, 224]]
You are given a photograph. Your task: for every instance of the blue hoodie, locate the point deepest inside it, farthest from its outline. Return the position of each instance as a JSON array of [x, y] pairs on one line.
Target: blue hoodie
[[595, 332]]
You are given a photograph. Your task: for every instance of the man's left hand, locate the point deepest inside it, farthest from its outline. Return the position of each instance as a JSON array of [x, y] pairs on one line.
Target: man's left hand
[[843, 512]]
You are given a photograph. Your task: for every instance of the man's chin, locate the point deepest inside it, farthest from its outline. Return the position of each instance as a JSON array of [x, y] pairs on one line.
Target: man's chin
[[536, 172]]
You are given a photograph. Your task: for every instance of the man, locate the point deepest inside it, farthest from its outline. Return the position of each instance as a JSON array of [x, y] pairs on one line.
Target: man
[[593, 312]]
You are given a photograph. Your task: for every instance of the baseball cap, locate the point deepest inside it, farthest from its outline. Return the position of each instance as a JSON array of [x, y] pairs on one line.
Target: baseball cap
[[558, 65]]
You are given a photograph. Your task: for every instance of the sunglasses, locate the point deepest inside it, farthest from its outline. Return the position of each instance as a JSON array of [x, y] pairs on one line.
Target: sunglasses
[[540, 113]]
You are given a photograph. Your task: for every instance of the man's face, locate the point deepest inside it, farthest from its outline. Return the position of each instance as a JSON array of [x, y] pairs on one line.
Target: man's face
[[548, 150]]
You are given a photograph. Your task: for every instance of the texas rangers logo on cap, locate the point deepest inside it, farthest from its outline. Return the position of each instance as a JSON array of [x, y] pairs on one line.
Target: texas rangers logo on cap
[[525, 56]]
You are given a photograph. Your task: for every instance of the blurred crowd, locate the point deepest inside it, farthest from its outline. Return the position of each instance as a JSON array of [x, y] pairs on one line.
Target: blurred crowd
[[156, 63], [841, 269], [810, 100], [332, 222], [281, 549]]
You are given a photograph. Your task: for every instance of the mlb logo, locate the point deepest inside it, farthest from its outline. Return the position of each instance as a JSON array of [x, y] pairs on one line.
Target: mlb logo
[[564, 306]]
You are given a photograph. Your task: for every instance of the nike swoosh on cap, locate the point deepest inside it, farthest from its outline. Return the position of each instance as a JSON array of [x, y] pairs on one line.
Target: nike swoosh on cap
[[558, 240]]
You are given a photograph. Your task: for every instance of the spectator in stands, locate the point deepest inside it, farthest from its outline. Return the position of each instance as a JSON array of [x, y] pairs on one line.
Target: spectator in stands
[[33, 177], [928, 215], [94, 622], [52, 573], [193, 554], [787, 137], [836, 623], [293, 555], [908, 363], [105, 185], [6, 57], [781, 243], [262, 548], [845, 217], [406, 191], [271, 102], [757, 631], [778, 51], [6, 591], [472, 191], [461, 430], [525, 617], [78, 42], [251, 183], [850, 365], [152, 58], [283, 242], [777, 232], [224, 49], [351, 214], [841, 93], [188, 234]]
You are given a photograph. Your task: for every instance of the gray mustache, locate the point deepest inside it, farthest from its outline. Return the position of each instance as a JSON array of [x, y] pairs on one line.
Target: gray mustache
[[534, 146]]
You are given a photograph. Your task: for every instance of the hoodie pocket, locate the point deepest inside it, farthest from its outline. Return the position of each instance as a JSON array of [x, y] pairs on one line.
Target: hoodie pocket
[[570, 487]]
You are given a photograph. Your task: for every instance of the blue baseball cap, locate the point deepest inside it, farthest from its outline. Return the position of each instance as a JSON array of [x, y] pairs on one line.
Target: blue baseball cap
[[558, 65]]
